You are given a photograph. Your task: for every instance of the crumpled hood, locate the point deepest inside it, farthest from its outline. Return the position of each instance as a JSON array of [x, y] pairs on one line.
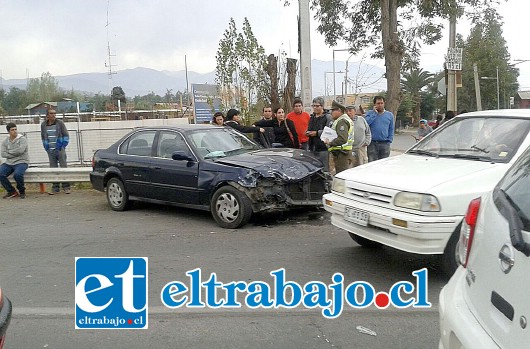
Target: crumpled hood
[[426, 174], [289, 164]]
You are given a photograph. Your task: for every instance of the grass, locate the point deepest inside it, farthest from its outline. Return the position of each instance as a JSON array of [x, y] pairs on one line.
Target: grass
[[35, 187]]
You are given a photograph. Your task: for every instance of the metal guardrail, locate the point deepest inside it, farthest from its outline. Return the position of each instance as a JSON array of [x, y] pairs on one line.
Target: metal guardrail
[[50, 175], [43, 175]]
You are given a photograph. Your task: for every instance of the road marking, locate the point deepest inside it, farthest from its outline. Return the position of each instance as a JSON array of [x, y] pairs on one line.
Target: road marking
[[160, 310]]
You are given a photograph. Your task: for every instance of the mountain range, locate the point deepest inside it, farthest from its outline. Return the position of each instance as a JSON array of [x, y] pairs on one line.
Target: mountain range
[[142, 81]]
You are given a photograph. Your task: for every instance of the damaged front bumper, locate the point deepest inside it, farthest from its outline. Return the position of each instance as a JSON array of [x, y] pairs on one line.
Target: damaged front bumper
[[273, 194]]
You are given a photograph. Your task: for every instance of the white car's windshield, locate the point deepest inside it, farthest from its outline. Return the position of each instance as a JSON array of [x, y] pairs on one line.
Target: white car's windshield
[[220, 142], [485, 139]]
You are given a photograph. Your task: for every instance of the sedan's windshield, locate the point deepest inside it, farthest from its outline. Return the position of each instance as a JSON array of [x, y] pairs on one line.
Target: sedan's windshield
[[482, 139], [220, 142]]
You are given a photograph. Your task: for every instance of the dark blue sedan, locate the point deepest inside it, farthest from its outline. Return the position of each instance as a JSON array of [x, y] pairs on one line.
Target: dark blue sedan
[[207, 167]]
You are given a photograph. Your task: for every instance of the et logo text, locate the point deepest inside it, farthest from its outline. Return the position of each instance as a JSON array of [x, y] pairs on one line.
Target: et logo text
[[111, 292]]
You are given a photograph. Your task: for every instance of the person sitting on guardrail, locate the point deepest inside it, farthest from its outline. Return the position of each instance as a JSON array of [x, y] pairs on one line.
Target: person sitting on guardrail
[[55, 138], [15, 151]]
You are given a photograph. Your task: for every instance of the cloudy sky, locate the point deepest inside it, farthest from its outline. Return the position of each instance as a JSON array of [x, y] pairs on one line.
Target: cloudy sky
[[68, 37]]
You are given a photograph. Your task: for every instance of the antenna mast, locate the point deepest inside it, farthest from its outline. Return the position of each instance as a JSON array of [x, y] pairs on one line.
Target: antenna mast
[[110, 65]]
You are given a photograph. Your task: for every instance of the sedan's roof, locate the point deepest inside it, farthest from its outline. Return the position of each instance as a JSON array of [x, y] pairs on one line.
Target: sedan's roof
[[180, 127]]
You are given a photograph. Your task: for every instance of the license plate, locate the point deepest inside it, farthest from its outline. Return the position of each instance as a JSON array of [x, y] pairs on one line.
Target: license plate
[[356, 216]]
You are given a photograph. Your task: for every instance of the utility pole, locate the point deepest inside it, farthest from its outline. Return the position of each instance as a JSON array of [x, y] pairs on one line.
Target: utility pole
[[451, 74], [305, 54], [498, 94], [477, 87]]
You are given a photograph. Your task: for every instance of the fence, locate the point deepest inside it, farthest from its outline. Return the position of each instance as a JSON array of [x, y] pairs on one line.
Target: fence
[[85, 138]]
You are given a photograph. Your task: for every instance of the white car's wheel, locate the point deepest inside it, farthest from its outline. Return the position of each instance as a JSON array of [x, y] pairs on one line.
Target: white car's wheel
[[364, 242], [450, 258]]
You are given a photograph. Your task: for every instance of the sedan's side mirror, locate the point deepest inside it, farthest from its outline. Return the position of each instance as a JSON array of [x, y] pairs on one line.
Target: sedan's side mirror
[[181, 155]]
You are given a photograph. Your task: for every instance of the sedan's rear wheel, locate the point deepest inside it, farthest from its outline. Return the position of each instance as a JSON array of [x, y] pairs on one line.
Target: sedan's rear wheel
[[117, 197], [231, 208], [364, 241]]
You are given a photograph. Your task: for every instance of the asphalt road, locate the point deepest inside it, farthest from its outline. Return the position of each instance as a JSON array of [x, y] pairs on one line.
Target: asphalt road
[[42, 235]]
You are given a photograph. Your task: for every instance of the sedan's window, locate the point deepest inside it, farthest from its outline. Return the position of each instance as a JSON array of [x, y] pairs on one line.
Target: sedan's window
[[488, 139], [139, 144], [220, 142], [170, 142]]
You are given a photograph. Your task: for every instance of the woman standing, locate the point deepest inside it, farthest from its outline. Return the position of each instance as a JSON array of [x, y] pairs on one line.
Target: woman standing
[[284, 130]]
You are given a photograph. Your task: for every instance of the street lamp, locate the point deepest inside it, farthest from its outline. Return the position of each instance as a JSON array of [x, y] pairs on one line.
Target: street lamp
[[326, 82], [346, 78], [334, 85], [494, 78]]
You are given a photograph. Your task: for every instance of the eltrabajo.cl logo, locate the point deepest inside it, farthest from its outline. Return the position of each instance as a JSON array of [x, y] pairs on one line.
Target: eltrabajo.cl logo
[[111, 292]]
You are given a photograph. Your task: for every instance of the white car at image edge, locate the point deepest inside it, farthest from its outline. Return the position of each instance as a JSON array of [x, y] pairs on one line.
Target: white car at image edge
[[416, 201], [486, 303]]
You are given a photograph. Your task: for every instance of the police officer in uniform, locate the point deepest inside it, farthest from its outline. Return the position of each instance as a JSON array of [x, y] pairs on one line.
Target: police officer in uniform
[[341, 147]]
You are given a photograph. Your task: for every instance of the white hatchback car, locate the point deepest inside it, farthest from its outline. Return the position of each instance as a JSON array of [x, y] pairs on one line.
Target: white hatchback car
[[416, 201], [486, 302]]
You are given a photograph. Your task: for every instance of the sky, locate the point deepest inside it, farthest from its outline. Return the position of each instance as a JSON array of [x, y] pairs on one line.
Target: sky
[[68, 37]]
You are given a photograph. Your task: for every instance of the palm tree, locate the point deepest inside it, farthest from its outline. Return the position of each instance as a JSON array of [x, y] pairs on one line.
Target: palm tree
[[413, 82]]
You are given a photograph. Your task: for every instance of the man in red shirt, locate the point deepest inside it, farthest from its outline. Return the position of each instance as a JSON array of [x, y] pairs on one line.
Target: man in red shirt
[[300, 119]]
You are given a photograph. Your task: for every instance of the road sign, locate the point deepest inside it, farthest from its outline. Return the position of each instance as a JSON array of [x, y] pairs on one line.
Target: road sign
[[453, 58], [442, 87]]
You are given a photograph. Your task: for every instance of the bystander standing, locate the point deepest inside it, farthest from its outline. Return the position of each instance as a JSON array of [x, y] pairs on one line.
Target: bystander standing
[[381, 124], [318, 120], [341, 147], [55, 139], [218, 119], [300, 118], [362, 137]]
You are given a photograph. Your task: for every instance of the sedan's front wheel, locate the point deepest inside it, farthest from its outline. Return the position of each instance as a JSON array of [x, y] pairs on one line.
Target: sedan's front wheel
[[230, 208], [117, 197]]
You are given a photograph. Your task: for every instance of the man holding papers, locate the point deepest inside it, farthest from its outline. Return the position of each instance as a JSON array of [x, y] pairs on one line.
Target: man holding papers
[[340, 146]]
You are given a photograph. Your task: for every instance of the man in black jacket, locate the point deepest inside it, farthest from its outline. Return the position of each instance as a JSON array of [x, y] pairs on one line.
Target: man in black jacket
[[319, 119]]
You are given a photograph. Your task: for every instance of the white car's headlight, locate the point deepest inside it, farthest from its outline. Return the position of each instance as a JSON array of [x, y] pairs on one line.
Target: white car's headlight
[[417, 201], [338, 185]]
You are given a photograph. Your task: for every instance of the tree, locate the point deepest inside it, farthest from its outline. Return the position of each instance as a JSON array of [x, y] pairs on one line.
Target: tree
[[99, 101], [43, 89], [118, 95], [374, 23], [241, 67], [168, 97], [272, 71], [413, 82], [486, 47], [15, 101]]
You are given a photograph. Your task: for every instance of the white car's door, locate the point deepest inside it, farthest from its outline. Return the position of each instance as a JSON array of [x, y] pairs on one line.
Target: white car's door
[[498, 270]]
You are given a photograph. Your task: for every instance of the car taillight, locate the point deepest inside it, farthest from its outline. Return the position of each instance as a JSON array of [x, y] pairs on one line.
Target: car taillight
[[468, 231], [93, 161]]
